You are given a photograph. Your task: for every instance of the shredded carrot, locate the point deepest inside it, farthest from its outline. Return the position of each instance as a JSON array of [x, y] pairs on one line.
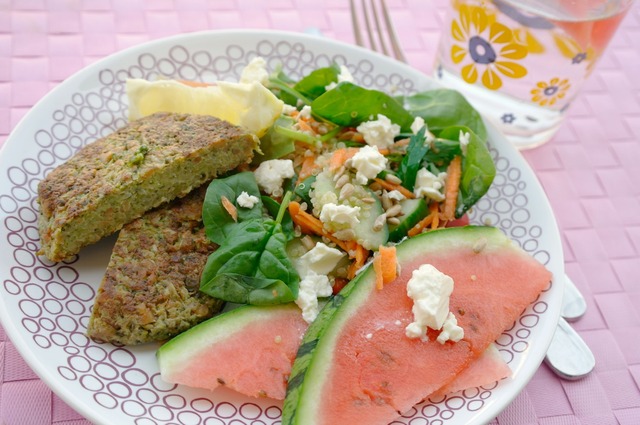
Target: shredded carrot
[[304, 126], [307, 222], [194, 83], [384, 151], [451, 187], [433, 209], [428, 220], [309, 166], [340, 156], [394, 186], [389, 263], [385, 265], [361, 255], [230, 208]]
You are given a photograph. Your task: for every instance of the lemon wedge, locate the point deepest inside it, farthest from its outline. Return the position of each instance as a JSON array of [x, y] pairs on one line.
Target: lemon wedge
[[249, 105]]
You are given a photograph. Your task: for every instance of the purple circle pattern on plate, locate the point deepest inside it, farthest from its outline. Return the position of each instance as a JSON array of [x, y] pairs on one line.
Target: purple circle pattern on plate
[[55, 299]]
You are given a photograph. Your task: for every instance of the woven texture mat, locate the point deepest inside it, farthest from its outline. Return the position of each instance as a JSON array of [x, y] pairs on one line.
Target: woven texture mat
[[590, 170]]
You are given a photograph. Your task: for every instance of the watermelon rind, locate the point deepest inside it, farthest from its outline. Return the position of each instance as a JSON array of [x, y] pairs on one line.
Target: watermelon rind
[[313, 362], [179, 351]]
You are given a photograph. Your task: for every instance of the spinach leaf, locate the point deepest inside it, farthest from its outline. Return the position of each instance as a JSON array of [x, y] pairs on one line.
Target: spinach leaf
[[478, 169], [442, 108], [252, 267], [412, 161], [217, 221], [313, 85], [349, 105]]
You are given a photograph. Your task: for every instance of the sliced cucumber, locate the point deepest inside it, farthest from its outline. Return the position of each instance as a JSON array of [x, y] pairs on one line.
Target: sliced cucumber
[[413, 210], [325, 192]]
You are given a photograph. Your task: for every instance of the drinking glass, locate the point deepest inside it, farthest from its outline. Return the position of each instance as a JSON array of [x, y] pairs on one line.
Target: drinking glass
[[522, 62]]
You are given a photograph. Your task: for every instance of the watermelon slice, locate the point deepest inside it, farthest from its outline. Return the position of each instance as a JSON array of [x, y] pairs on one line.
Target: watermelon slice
[[249, 349], [355, 364]]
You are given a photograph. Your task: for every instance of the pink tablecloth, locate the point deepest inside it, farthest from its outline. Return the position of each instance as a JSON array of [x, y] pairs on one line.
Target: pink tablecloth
[[591, 172]]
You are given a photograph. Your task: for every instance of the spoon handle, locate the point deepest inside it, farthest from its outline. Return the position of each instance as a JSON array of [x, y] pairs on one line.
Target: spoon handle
[[573, 303], [568, 355]]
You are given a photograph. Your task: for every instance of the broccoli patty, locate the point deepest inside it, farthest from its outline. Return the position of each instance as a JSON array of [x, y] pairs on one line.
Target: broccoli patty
[[118, 178], [150, 291]]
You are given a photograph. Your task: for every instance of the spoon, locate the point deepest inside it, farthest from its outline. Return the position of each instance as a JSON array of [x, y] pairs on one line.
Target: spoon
[[568, 355], [573, 303]]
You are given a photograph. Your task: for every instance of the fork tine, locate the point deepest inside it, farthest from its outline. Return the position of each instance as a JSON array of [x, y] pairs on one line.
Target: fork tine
[[398, 53], [370, 29], [356, 25]]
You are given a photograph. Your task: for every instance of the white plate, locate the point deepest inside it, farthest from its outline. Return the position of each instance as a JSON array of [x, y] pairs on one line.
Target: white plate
[[45, 307]]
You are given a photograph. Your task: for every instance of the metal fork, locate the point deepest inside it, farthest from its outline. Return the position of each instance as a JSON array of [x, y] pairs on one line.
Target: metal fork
[[381, 36]]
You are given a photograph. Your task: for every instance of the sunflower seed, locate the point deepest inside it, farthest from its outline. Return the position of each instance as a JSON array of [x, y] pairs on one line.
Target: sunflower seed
[[386, 202], [392, 178], [378, 224], [393, 220], [368, 200], [339, 173], [344, 179], [346, 191], [394, 210]]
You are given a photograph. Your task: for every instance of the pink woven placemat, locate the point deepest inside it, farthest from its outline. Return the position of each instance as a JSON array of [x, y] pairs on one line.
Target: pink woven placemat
[[590, 171]]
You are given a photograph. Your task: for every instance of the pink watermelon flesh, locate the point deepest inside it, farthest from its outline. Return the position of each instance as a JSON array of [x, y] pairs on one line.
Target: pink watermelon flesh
[[486, 369], [378, 372], [255, 361]]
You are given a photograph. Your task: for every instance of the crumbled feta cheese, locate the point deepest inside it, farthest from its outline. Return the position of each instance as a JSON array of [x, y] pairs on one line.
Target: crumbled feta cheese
[[313, 268], [417, 124], [336, 217], [271, 174], [288, 109], [368, 162], [310, 288], [344, 75], [450, 330], [380, 132], [246, 201], [464, 141], [321, 259], [430, 290], [396, 195], [305, 112], [256, 70], [428, 185]]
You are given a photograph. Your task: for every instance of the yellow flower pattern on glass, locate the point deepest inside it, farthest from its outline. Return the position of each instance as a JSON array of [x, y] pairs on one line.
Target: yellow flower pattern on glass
[[489, 44], [548, 93]]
